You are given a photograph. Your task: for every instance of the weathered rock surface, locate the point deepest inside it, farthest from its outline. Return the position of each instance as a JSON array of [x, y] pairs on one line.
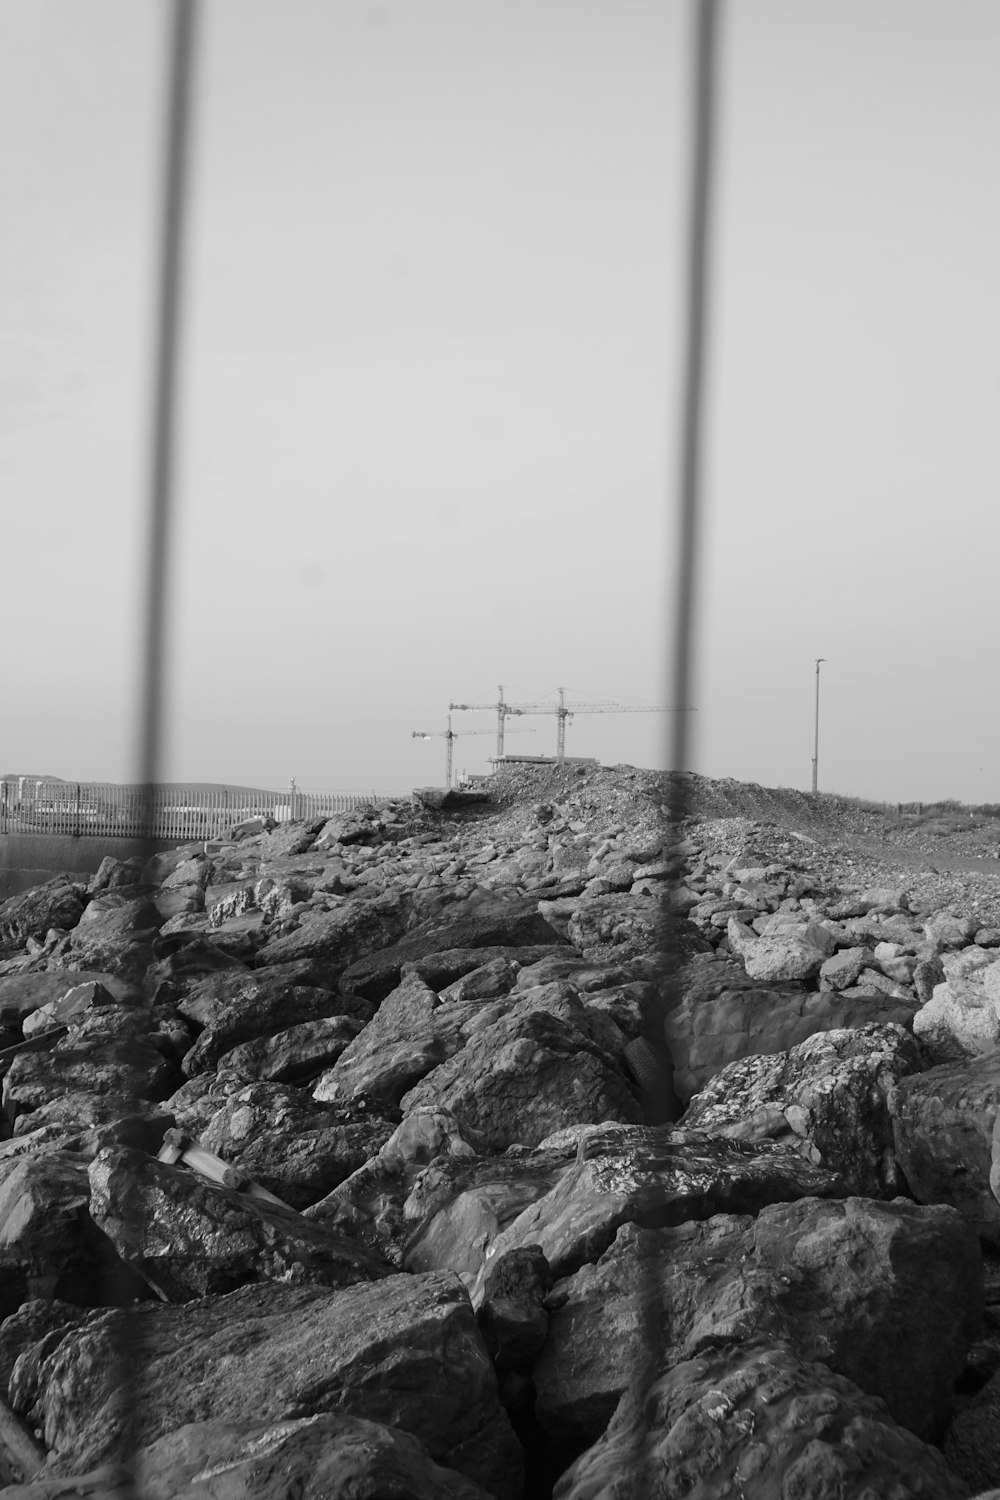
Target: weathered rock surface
[[58, 903], [299, 1054], [785, 950], [115, 933], [188, 1238], [485, 920], [49, 1247], [22, 994], [123, 1065], [887, 1294], [405, 1352], [298, 1150], [482, 994], [943, 1131], [313, 1457], [722, 1017], [962, 1017], [652, 1176], [757, 1421], [521, 1078], [392, 1053], [245, 1005], [333, 940], [828, 1098]]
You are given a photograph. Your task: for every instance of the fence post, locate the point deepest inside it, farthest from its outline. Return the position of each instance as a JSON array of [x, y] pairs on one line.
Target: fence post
[[291, 802]]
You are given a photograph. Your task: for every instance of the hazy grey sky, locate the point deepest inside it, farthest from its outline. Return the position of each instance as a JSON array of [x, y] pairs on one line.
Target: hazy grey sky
[[430, 400]]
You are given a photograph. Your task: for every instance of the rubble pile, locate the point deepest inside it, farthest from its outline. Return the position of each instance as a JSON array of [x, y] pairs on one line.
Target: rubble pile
[[512, 1143]]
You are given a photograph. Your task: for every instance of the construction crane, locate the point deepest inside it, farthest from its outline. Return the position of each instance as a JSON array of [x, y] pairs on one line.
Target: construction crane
[[502, 708], [563, 712], [449, 736]]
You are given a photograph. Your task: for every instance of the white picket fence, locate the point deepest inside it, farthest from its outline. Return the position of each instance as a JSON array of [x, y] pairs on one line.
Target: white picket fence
[[107, 810]]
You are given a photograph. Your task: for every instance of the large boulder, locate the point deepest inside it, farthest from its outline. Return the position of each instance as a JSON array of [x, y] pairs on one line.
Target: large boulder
[[190, 1238], [239, 1007], [446, 967], [962, 1017], [298, 1054], [722, 1016], [972, 1443], [384, 1202], [888, 1294], [393, 1052], [333, 940], [22, 994], [787, 949], [124, 1064], [616, 924], [457, 1208], [405, 1352], [116, 933], [59, 903], [828, 1098], [291, 838], [486, 919], [943, 1132], [524, 1076], [296, 1149], [757, 1421], [49, 1247], [313, 1458]]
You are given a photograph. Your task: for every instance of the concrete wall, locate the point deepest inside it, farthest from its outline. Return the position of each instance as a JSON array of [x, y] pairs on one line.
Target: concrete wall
[[28, 859]]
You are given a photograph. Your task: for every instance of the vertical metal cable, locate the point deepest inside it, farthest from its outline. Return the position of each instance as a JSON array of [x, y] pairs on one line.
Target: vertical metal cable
[[162, 473], [696, 295], [660, 1100], [165, 385]]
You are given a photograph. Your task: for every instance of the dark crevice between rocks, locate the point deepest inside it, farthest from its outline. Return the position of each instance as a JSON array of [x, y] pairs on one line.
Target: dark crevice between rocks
[[544, 1462]]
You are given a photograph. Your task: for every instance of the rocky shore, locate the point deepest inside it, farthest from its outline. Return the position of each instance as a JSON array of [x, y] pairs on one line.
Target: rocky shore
[[512, 1144]]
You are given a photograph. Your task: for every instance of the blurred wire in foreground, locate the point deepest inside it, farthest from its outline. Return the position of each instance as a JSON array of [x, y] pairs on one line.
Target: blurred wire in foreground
[[650, 1058], [661, 1103], [696, 299], [165, 381], [121, 1287]]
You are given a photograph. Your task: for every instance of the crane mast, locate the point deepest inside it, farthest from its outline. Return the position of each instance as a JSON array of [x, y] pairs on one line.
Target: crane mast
[[502, 708], [449, 736]]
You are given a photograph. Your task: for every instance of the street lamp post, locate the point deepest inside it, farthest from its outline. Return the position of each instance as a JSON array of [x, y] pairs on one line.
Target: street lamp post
[[816, 745]]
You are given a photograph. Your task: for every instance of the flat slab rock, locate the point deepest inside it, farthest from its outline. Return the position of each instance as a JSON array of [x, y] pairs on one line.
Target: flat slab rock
[[21, 994], [483, 920], [245, 1006], [405, 1352], [124, 1065], [653, 1176], [757, 1422]]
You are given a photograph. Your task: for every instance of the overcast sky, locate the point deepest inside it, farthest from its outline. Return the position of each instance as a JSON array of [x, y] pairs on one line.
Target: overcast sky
[[428, 437]]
